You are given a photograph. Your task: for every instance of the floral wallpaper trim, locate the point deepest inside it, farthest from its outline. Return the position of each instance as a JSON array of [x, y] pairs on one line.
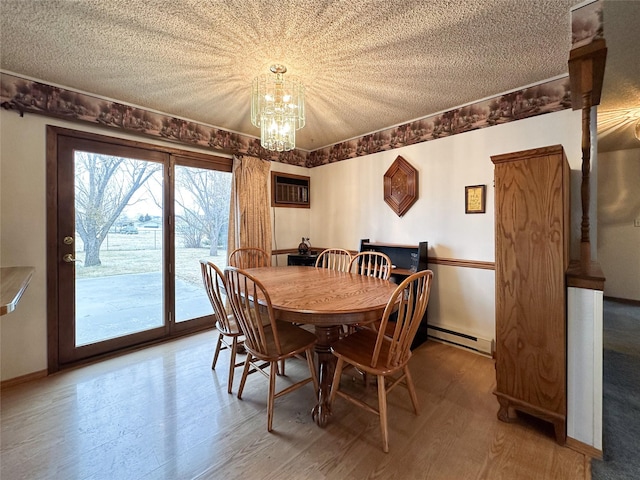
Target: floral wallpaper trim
[[34, 97], [24, 95], [552, 96]]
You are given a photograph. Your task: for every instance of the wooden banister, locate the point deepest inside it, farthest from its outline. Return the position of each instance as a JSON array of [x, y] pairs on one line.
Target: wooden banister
[[586, 73]]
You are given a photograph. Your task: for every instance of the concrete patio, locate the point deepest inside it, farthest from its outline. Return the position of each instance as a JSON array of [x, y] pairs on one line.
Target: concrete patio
[[117, 305]]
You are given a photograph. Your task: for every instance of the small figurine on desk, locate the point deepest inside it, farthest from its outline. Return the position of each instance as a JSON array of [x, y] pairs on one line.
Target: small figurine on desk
[[304, 247]]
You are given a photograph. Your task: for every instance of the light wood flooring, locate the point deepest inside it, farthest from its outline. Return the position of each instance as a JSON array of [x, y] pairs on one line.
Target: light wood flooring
[[162, 413]]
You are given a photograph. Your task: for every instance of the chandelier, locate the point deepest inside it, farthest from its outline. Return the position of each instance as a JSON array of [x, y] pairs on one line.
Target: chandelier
[[277, 108]]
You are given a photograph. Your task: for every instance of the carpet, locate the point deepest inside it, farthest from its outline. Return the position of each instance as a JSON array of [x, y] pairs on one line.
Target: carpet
[[621, 394]]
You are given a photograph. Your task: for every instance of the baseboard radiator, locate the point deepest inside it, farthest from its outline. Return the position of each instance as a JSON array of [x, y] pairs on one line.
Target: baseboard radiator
[[480, 345]]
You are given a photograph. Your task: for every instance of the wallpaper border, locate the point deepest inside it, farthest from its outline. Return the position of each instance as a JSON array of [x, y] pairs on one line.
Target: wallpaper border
[[25, 95]]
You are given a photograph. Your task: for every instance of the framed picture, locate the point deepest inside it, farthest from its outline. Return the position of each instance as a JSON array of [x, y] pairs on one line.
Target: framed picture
[[474, 198]]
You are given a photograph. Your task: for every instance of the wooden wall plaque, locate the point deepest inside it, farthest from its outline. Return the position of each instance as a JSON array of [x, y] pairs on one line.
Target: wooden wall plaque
[[400, 186]]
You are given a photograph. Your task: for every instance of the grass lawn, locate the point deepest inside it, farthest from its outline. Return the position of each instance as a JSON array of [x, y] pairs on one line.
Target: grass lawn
[[123, 254]]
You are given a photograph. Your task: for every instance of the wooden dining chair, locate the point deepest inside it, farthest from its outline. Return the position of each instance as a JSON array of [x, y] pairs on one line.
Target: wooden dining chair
[[229, 333], [386, 353], [266, 340], [334, 259], [249, 257], [372, 264]]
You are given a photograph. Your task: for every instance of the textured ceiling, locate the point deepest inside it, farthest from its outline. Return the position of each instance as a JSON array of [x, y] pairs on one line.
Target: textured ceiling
[[366, 64]]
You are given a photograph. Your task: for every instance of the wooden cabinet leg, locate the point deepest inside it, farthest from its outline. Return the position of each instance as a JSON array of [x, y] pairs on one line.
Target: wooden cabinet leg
[[506, 412], [560, 429]]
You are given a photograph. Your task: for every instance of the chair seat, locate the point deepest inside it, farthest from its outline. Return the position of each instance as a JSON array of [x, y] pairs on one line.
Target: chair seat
[[357, 348], [293, 340]]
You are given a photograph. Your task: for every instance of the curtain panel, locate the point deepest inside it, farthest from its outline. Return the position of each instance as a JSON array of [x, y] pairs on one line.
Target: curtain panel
[[250, 215]]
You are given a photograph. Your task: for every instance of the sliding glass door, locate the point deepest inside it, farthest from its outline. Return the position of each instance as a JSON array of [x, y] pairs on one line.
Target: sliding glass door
[[131, 225], [201, 210]]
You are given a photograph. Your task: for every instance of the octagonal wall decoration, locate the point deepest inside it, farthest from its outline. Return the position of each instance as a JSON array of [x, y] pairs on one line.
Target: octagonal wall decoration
[[400, 186]]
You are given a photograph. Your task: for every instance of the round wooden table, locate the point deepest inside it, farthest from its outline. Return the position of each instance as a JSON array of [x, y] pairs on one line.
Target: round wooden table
[[325, 299]]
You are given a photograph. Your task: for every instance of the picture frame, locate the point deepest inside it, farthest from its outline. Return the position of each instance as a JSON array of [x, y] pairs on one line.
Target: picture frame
[[475, 198]]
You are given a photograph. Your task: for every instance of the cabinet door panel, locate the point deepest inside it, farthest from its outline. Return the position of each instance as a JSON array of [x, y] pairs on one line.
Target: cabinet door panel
[[531, 247]]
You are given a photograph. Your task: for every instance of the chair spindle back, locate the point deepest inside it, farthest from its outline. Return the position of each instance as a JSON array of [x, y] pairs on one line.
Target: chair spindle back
[[334, 259], [249, 257], [372, 264], [214, 283], [414, 294], [254, 313]]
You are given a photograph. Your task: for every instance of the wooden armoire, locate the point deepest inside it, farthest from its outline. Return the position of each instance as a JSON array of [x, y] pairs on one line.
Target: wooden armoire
[[532, 231]]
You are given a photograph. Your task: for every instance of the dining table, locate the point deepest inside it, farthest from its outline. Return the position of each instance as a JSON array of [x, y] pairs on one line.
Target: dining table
[[326, 299]]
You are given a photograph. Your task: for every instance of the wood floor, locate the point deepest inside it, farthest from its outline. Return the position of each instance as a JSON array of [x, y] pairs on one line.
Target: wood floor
[[162, 413]]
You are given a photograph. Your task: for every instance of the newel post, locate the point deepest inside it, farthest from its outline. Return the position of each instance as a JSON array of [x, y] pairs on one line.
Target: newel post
[[586, 72], [584, 277]]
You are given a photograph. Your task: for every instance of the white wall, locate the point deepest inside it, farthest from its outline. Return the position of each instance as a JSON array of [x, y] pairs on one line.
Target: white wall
[[584, 366], [618, 208], [290, 224], [23, 333], [350, 194], [346, 205]]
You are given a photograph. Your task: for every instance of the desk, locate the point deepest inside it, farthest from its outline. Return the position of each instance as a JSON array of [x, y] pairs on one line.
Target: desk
[[325, 299], [13, 282], [302, 260]]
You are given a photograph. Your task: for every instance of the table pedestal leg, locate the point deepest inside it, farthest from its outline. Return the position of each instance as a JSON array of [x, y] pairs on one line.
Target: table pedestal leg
[[326, 335]]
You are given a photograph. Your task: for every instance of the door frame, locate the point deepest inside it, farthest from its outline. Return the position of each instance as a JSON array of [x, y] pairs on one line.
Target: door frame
[[55, 136]]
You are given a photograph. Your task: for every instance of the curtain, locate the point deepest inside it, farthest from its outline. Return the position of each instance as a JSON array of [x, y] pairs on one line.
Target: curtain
[[249, 214]]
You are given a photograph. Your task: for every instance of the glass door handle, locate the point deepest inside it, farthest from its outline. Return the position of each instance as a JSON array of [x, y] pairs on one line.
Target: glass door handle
[[69, 258]]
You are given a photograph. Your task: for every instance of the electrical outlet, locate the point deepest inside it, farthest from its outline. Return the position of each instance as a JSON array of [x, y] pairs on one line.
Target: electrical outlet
[[636, 222]]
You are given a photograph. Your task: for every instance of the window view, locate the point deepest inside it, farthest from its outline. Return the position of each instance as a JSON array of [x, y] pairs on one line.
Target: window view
[[202, 217], [120, 242], [118, 258]]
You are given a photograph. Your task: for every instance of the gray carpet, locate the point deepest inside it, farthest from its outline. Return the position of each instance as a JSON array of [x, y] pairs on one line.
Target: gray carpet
[[621, 402]]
